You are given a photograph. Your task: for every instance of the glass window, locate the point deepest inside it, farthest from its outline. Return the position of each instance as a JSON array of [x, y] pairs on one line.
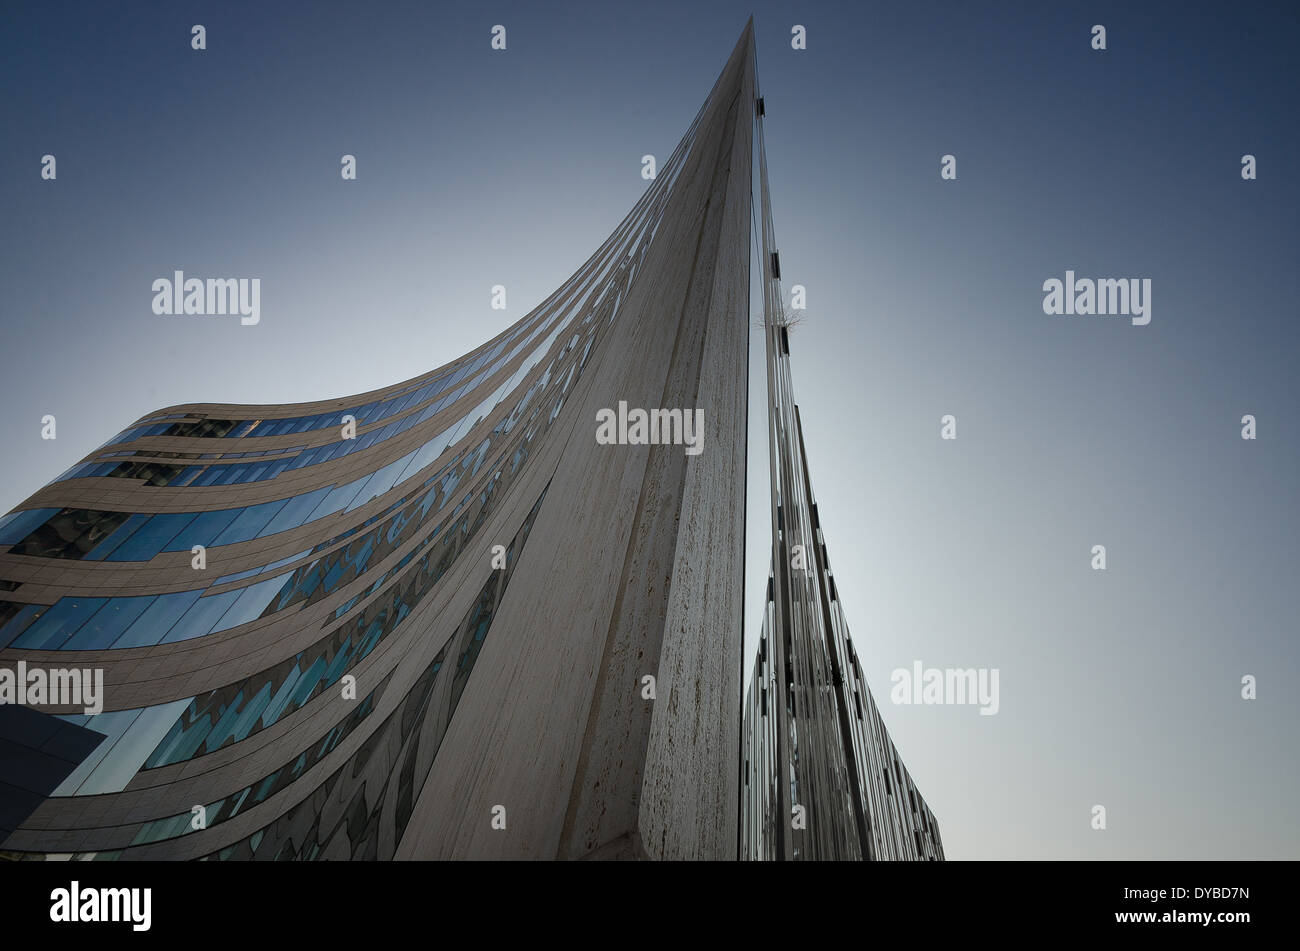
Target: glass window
[[52, 629], [237, 576], [427, 454], [123, 532], [343, 447], [202, 617], [203, 530], [128, 753], [108, 623], [229, 475], [18, 623], [250, 522], [70, 533], [380, 482], [112, 725], [338, 499], [149, 539], [158, 619], [210, 475], [284, 561], [295, 512], [187, 475], [302, 459], [18, 525], [251, 602]]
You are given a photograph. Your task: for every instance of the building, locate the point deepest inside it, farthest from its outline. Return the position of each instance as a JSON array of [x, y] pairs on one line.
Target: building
[[418, 622], [448, 619], [809, 716]]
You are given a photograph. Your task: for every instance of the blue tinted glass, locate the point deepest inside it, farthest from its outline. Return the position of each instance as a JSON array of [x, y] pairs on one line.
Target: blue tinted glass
[[252, 521], [230, 475], [149, 539], [237, 576], [212, 474], [252, 601], [307, 682], [380, 482], [295, 512], [248, 719], [201, 617], [203, 530], [338, 500], [21, 524], [284, 561], [108, 623], [51, 630], [124, 436], [158, 619], [18, 623], [128, 748], [186, 475], [123, 532], [303, 459]]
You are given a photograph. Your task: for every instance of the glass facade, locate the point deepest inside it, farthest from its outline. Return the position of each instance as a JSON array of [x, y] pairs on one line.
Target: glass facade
[[821, 779], [358, 577], [300, 680]]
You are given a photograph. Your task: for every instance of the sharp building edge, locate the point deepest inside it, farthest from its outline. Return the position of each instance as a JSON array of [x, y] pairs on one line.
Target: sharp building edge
[[432, 639], [821, 778]]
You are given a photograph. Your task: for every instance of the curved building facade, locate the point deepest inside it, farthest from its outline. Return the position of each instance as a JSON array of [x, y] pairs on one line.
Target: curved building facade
[[437, 620]]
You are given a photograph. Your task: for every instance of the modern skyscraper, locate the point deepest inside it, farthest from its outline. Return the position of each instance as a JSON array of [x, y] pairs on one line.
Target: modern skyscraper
[[441, 619], [822, 779], [491, 612]]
